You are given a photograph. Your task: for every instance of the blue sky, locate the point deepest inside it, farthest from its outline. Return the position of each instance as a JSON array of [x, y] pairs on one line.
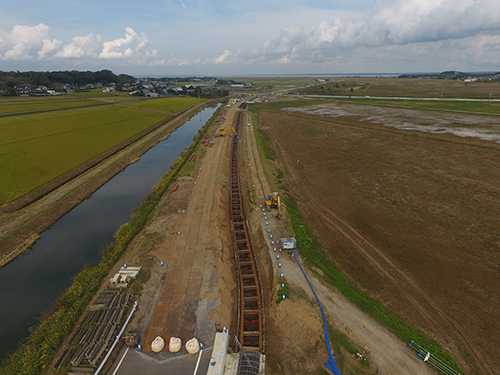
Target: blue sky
[[217, 37]]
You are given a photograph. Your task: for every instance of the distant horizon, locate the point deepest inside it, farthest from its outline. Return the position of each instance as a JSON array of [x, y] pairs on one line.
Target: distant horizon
[[314, 74], [256, 75]]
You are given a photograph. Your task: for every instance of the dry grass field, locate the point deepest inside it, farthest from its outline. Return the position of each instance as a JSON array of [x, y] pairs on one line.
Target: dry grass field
[[410, 216], [403, 87], [377, 86]]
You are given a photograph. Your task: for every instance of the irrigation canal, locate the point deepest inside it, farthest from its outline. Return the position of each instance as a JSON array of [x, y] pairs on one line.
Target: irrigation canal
[[32, 282]]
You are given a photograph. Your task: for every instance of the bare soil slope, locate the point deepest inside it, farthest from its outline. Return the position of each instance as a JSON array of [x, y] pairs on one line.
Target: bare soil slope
[[411, 218]]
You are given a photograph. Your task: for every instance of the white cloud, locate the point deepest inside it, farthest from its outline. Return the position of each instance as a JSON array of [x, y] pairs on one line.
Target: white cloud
[[116, 48], [223, 57], [81, 46], [143, 42], [48, 46], [22, 42]]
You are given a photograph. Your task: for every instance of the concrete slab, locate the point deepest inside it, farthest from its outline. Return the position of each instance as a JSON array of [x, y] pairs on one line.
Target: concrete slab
[[133, 362]]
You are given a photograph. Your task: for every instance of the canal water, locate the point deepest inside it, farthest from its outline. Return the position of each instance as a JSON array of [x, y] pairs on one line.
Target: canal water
[[32, 282]]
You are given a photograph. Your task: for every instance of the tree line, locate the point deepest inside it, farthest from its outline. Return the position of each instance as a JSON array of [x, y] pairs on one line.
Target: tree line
[[55, 78]]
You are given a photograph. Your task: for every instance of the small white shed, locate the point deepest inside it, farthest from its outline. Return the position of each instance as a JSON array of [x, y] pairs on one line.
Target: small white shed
[[288, 243]]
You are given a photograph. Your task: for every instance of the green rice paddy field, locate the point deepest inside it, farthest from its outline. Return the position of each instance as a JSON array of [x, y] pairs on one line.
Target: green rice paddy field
[[36, 104], [36, 148], [171, 105]]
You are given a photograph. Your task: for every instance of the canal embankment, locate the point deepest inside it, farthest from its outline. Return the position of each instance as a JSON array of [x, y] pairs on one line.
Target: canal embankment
[[37, 350]]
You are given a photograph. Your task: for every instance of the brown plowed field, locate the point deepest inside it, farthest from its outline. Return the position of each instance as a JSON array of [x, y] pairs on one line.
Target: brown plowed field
[[411, 217]]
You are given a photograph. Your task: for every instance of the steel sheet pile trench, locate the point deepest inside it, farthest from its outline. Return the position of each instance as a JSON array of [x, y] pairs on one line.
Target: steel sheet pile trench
[[250, 306]]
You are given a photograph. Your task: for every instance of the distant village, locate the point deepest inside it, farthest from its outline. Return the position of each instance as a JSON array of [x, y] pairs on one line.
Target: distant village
[[59, 83]]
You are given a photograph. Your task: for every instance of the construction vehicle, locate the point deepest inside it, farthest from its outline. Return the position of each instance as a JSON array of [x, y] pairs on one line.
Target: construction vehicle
[[273, 201], [222, 131]]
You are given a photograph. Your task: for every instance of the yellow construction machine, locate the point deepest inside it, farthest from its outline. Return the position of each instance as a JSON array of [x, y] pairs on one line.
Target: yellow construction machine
[[222, 131], [273, 201]]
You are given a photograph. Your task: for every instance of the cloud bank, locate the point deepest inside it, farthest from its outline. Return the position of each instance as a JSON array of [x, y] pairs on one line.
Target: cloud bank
[[391, 23]]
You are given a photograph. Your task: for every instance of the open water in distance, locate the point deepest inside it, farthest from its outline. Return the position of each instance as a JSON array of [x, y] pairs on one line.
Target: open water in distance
[[32, 282]]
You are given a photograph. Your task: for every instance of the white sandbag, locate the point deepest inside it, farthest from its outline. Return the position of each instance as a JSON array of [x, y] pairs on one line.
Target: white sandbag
[[193, 346], [175, 345], [158, 344]]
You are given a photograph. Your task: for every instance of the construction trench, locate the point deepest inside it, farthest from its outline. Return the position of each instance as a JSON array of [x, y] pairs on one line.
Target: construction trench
[[250, 327]]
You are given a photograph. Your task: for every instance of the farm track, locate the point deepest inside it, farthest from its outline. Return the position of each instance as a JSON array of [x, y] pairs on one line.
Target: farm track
[[425, 305]]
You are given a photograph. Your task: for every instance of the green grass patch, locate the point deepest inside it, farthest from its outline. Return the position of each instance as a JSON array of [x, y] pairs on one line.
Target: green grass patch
[[37, 149], [289, 104], [171, 105], [35, 353], [274, 365], [138, 283], [283, 291], [93, 93], [263, 141], [340, 340]]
